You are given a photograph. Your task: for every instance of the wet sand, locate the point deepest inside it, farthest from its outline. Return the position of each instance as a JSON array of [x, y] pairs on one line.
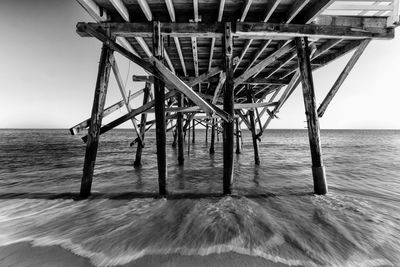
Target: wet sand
[[23, 254]]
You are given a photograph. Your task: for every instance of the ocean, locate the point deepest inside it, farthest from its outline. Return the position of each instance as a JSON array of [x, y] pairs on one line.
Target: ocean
[[272, 213]]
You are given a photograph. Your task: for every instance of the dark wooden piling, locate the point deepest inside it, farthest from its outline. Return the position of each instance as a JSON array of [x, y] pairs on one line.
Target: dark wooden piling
[[253, 127], [179, 129], [93, 136], [143, 119], [193, 132], [212, 141], [207, 133], [159, 95], [228, 126], [318, 170], [238, 137]]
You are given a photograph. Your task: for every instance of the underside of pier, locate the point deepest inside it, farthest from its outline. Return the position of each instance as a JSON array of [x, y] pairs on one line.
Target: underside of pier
[[222, 64]]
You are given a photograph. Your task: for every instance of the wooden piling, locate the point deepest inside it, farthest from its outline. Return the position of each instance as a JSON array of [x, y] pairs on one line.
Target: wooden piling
[[159, 95], [212, 142], [99, 100], [253, 126], [207, 133], [228, 126], [143, 119], [238, 136], [318, 170], [193, 132], [179, 128]]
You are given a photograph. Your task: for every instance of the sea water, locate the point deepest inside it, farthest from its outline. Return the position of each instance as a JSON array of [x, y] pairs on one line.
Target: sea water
[[272, 214]]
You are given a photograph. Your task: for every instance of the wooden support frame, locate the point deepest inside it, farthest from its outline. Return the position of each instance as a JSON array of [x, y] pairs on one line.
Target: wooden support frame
[[318, 170], [212, 141], [228, 136], [95, 121]]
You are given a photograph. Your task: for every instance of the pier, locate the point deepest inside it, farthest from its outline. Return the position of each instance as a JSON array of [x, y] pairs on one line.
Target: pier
[[224, 65]]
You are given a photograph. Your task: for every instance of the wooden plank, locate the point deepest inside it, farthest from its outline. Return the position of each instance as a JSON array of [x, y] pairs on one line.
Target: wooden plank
[[146, 9], [342, 77], [314, 11], [159, 98], [195, 56], [95, 121], [140, 145], [228, 136], [121, 8], [245, 9], [271, 6], [220, 13], [320, 185], [297, 6]]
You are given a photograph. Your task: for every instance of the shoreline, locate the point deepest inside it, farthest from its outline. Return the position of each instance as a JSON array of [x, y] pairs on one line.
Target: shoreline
[[24, 254]]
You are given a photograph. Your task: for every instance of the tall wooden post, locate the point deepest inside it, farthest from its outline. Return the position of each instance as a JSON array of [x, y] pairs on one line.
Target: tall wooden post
[[193, 132], [207, 132], [179, 129], [318, 170], [99, 100], [253, 127], [228, 133], [212, 149], [238, 136], [159, 95], [143, 119]]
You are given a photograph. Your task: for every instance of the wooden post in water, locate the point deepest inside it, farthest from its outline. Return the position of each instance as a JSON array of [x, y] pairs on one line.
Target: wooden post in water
[[143, 119], [179, 129], [193, 132], [212, 149], [99, 100], [228, 133], [207, 133], [238, 136], [318, 170], [253, 127], [159, 95]]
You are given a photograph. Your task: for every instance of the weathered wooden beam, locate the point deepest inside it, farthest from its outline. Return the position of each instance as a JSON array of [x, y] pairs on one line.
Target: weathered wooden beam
[[159, 97], [220, 12], [243, 53], [140, 145], [295, 9], [318, 170], [84, 124], [342, 77], [128, 116], [146, 9], [271, 6], [262, 30], [95, 121], [314, 11], [121, 88], [121, 8], [228, 136], [217, 90], [195, 56]]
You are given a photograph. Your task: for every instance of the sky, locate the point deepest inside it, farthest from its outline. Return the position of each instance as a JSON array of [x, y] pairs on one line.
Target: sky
[[48, 74]]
